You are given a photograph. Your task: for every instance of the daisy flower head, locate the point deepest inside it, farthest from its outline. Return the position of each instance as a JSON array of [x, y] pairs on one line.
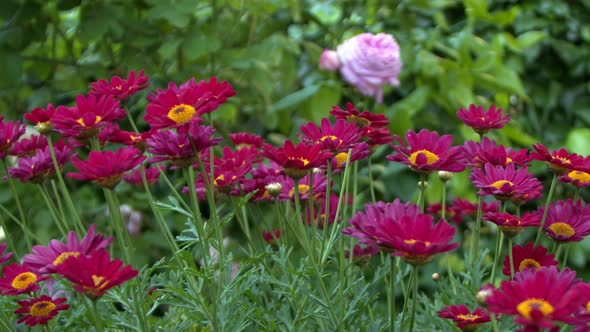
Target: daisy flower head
[[463, 208], [106, 168], [296, 160], [135, 177], [539, 298], [512, 225], [559, 161], [528, 257], [482, 120], [96, 273], [578, 177], [368, 225], [567, 221], [488, 152], [41, 118], [120, 88], [38, 168], [246, 140], [361, 255], [19, 279], [463, 317], [426, 152], [88, 117], [176, 106], [506, 183], [361, 119], [45, 259], [28, 146], [337, 138], [40, 310], [10, 132]]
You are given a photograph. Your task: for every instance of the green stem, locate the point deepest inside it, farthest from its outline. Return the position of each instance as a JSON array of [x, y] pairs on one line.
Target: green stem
[[92, 309], [511, 258], [475, 240], [326, 221], [498, 251], [371, 184], [118, 224], [494, 323], [549, 198], [576, 195], [80, 229], [443, 201], [392, 271], [55, 215], [189, 175], [19, 207], [17, 221], [422, 197], [159, 218], [414, 296], [8, 237], [565, 256], [557, 251]]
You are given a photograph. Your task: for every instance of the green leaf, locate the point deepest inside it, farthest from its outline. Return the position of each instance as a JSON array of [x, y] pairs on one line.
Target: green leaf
[[578, 141], [295, 98], [530, 38], [411, 104], [501, 78], [198, 44], [320, 104]]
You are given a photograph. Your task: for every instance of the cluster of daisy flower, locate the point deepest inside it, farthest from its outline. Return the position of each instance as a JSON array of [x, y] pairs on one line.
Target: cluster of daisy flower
[[84, 263], [301, 173]]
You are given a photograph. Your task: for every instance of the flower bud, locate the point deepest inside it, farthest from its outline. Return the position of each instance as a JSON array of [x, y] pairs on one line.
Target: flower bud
[[274, 188], [435, 276], [329, 60], [482, 295], [445, 176]]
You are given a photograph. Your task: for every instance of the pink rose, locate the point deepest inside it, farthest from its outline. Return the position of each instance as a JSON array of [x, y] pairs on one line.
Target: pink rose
[[329, 60], [370, 61]]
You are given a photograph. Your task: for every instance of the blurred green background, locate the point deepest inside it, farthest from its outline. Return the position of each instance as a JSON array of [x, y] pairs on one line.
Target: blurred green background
[[529, 57]]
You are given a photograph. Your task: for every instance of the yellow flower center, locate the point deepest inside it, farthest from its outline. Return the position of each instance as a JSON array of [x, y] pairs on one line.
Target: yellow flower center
[[498, 184], [431, 158], [528, 263], [588, 306], [561, 228], [508, 161], [525, 307], [96, 120], [412, 241], [563, 160], [24, 280], [303, 189], [330, 137], [305, 161], [42, 308], [579, 176], [65, 255], [469, 317], [341, 159], [181, 113], [222, 178]]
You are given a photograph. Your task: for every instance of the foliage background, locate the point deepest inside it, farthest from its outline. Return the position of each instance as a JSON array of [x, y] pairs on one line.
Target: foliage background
[[529, 57]]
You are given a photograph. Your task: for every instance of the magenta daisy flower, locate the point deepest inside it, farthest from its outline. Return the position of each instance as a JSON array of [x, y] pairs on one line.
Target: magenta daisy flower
[[361, 255], [266, 181], [516, 185], [463, 208], [232, 167], [359, 151], [96, 273], [19, 279], [88, 117], [528, 257], [112, 133], [41, 118], [106, 168], [246, 140], [361, 119], [4, 257], [578, 178], [40, 310], [337, 138], [45, 259], [298, 160], [39, 167], [10, 132], [427, 152], [463, 318], [318, 184], [179, 105], [510, 224], [417, 240], [152, 175], [271, 237], [319, 210], [488, 152], [539, 298], [120, 88], [567, 221], [559, 161], [27, 146], [368, 225], [481, 120]]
